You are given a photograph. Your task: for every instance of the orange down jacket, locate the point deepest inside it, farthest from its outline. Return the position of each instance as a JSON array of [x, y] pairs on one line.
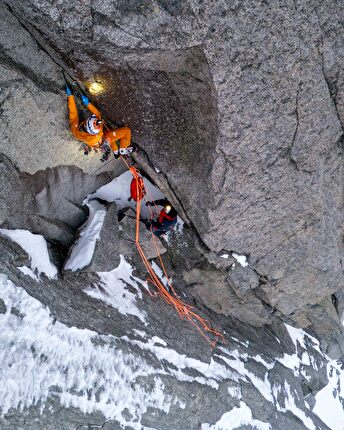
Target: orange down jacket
[[89, 139], [122, 134]]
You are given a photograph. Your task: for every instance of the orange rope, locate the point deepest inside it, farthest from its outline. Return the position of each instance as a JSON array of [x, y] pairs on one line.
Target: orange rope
[[184, 310]]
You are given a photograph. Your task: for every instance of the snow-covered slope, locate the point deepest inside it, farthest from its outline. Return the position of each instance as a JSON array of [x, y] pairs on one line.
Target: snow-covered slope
[[42, 357]]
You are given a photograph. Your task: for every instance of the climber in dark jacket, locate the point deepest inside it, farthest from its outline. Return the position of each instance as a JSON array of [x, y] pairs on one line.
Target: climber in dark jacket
[[167, 218]]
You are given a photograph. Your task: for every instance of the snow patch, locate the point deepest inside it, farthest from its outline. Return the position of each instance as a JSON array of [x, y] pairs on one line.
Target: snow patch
[[113, 290], [246, 344], [237, 363], [236, 418], [298, 336], [241, 259], [210, 372], [140, 333], [289, 405], [83, 249], [160, 274], [235, 392], [292, 361], [328, 401], [29, 272], [36, 247]]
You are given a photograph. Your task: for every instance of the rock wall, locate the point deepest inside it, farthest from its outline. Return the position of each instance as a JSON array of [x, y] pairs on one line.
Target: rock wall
[[34, 126], [241, 106]]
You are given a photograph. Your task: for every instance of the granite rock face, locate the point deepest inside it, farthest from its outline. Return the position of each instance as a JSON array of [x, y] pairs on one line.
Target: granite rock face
[[33, 105], [48, 202], [241, 106]]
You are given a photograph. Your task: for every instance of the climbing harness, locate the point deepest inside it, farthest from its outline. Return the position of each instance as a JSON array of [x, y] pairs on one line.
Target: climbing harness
[[184, 310]]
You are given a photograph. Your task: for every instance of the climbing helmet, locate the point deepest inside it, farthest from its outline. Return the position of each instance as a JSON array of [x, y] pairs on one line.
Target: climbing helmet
[[93, 125]]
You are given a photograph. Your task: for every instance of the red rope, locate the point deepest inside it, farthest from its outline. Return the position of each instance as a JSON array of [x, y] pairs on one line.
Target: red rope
[[184, 310]]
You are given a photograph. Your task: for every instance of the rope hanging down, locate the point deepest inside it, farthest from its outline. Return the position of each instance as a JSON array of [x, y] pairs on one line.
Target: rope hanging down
[[184, 310]]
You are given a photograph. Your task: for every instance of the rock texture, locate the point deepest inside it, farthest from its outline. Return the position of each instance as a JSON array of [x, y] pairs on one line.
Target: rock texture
[[48, 202], [33, 105], [240, 106], [127, 239]]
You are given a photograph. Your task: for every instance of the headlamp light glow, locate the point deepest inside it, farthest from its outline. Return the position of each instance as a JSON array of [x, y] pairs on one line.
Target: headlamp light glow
[[96, 87], [168, 208]]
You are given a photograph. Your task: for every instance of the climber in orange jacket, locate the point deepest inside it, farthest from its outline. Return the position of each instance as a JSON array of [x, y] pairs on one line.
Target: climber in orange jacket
[[119, 141], [90, 131]]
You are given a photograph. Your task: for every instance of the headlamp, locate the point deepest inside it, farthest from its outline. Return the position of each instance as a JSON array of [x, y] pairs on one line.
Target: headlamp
[[168, 208]]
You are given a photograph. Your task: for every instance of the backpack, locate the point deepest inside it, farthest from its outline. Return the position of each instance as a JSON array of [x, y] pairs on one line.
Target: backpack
[[137, 183]]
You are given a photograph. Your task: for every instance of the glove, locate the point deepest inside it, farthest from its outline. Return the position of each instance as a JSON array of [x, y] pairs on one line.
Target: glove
[[149, 203], [84, 100], [68, 91], [116, 155]]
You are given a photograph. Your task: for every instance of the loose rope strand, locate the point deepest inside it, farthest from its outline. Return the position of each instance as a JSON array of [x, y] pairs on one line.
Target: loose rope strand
[[184, 310]]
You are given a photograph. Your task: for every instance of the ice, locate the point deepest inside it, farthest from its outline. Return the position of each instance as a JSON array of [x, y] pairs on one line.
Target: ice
[[83, 249], [88, 371], [113, 290], [236, 418], [36, 248]]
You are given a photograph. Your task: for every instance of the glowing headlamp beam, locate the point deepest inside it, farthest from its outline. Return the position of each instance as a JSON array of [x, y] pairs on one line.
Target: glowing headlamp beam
[[96, 87]]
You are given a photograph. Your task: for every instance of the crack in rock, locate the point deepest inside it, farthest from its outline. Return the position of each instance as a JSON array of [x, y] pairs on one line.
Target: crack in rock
[[327, 81], [42, 45], [44, 84], [297, 99]]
